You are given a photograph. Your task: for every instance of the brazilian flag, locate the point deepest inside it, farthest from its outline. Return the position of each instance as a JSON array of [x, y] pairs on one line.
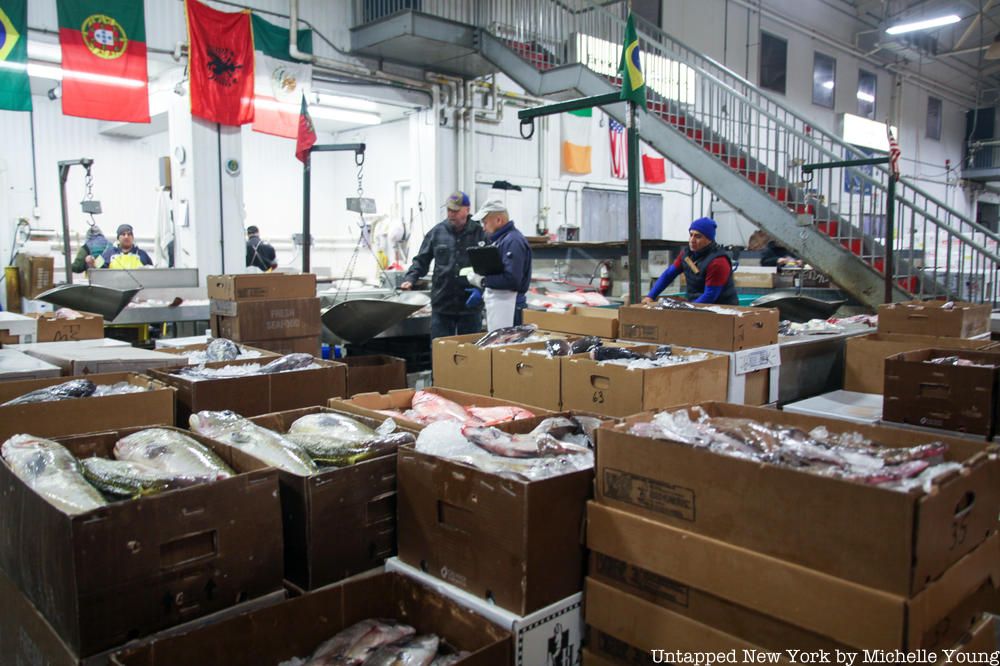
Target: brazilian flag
[[629, 68], [15, 93]]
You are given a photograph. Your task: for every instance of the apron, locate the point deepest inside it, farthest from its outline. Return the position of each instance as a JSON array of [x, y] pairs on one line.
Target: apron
[[500, 305]]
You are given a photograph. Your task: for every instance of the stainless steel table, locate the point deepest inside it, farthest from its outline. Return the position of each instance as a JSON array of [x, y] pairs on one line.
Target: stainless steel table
[[813, 364]]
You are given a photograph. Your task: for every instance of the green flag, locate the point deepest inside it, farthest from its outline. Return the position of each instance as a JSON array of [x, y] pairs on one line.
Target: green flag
[[629, 68], [15, 93]]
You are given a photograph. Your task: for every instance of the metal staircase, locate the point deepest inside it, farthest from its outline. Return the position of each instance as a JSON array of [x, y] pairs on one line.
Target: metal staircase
[[742, 144]]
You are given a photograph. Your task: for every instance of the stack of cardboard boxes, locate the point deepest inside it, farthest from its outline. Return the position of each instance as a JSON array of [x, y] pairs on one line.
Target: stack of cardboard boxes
[[694, 551], [272, 311]]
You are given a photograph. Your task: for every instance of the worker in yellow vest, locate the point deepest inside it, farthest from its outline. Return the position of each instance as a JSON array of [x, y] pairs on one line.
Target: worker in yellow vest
[[125, 254]]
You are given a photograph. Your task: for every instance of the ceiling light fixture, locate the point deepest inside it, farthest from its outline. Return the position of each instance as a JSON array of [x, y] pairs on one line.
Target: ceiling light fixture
[[924, 25], [58, 74], [322, 112], [342, 102]]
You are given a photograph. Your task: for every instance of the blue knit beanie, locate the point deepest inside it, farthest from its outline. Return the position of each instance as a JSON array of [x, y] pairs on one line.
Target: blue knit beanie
[[705, 226]]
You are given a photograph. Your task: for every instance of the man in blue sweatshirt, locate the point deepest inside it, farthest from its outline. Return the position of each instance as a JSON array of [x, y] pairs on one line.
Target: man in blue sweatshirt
[[504, 293]]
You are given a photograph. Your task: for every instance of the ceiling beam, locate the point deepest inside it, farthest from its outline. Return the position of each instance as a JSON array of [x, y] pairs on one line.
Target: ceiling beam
[[972, 26]]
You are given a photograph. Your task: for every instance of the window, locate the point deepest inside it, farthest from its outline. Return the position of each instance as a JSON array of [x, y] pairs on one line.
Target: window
[[867, 83], [651, 10], [773, 62], [824, 78], [934, 118], [988, 214]]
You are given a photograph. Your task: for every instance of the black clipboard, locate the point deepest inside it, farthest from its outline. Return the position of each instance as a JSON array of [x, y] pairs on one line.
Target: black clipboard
[[486, 260]]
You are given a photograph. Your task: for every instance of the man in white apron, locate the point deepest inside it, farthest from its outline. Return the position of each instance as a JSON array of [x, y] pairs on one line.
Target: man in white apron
[[504, 293]]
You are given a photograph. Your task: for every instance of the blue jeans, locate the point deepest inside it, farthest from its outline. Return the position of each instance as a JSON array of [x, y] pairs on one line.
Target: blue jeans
[[444, 325]]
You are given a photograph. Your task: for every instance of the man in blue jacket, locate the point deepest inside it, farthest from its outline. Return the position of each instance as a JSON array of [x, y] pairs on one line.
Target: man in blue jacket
[[504, 293], [707, 268]]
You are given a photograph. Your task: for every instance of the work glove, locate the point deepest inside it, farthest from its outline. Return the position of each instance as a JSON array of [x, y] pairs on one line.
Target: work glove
[[475, 298], [469, 274]]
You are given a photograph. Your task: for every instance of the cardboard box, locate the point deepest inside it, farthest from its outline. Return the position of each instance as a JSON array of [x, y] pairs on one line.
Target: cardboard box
[[577, 320], [534, 379], [964, 398], [963, 320], [133, 567], [614, 390], [515, 543], [754, 375], [369, 404], [755, 279], [874, 537], [195, 351], [16, 364], [265, 320], [34, 274], [26, 637], [864, 367], [252, 395], [338, 522], [91, 360], [17, 329], [261, 286], [606, 650], [52, 329], [704, 329], [460, 365], [298, 626], [377, 373], [68, 417], [309, 344], [856, 615], [551, 635]]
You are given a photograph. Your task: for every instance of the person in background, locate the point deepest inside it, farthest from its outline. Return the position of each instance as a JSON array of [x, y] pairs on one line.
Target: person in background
[[259, 253], [125, 254], [707, 268], [453, 310], [505, 292], [89, 254], [772, 253]]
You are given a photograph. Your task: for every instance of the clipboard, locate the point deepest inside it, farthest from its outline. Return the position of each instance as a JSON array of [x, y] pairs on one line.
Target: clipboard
[[486, 260]]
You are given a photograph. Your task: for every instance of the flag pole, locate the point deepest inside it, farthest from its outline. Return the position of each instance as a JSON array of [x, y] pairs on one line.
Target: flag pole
[[306, 230], [634, 236]]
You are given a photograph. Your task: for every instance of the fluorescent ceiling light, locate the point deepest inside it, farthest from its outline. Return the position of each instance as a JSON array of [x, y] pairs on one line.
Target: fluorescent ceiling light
[[866, 97], [828, 85], [924, 25], [342, 102], [864, 132], [58, 74], [323, 112]]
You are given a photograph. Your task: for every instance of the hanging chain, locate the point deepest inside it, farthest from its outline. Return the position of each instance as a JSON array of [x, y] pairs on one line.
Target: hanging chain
[[88, 182]]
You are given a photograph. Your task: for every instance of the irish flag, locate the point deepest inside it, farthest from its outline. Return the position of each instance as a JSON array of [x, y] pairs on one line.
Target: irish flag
[[104, 59], [575, 129], [279, 81]]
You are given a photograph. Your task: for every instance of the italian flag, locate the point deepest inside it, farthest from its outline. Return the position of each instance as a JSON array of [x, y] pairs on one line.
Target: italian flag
[[575, 131], [104, 59], [279, 82]]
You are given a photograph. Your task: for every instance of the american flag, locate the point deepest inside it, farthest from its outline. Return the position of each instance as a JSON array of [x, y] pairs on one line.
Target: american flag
[[616, 132], [893, 153]]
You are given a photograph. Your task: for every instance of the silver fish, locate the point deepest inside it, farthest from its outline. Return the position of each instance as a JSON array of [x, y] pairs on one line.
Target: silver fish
[[75, 388], [289, 362], [51, 471], [558, 347], [506, 336], [450, 659], [531, 445], [354, 644], [339, 426], [132, 479], [328, 450], [266, 445], [222, 349], [172, 452], [417, 651]]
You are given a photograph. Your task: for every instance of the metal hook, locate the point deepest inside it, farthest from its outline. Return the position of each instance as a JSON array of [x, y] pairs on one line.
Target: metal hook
[[530, 122], [359, 157], [807, 176]]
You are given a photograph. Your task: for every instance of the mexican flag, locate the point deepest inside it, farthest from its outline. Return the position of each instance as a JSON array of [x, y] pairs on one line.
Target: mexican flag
[[575, 129], [104, 59], [279, 81], [220, 64], [15, 93]]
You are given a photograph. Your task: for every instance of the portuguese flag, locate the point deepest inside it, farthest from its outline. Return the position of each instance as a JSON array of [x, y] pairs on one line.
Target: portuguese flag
[[104, 59], [220, 63], [15, 93], [279, 81]]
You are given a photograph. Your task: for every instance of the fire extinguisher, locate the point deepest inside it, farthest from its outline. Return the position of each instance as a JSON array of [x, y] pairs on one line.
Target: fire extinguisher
[[605, 274]]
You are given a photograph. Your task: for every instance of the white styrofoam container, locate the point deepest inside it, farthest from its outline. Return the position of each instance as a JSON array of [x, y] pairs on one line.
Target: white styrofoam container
[[851, 406], [16, 364], [66, 345], [551, 635], [182, 342], [24, 328]]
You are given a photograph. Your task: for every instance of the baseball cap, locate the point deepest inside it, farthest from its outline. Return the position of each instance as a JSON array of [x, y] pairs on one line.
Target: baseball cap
[[124, 229], [491, 206], [456, 200]]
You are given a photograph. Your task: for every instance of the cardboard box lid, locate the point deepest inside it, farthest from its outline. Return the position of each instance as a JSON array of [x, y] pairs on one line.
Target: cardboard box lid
[[260, 286], [787, 591], [578, 319]]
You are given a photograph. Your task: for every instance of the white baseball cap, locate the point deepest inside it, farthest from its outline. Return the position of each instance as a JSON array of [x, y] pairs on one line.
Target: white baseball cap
[[491, 206]]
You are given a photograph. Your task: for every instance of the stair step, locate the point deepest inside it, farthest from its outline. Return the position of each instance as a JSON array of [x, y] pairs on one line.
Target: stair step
[[852, 244], [694, 134], [715, 148], [804, 209], [758, 178], [738, 163], [778, 193], [829, 227]]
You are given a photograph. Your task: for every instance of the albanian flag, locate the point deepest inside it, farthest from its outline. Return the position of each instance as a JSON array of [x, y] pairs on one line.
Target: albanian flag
[[221, 64], [104, 59]]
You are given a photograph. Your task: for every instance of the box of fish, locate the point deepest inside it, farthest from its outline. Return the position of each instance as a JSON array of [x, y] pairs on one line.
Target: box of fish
[[115, 535], [577, 320], [337, 476], [219, 349], [251, 387], [886, 508], [373, 621], [60, 406], [948, 318], [497, 511], [949, 389], [465, 362], [722, 327], [415, 409], [619, 381]]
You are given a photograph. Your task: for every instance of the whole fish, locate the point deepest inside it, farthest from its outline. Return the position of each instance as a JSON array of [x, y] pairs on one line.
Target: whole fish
[[356, 643], [338, 426], [506, 336], [584, 345], [328, 450], [433, 407], [51, 471], [75, 388], [450, 659], [556, 347], [531, 445], [288, 362], [266, 445], [499, 414], [132, 479], [675, 304], [613, 353], [416, 651], [172, 452], [663, 351], [222, 349]]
